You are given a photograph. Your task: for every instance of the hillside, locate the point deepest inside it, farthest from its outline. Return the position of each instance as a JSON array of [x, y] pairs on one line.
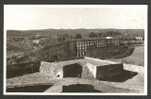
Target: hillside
[[137, 57], [23, 39], [84, 32]]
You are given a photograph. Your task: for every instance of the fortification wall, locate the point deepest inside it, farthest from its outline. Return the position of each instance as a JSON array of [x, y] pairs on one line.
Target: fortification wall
[[51, 69], [86, 73], [55, 70]]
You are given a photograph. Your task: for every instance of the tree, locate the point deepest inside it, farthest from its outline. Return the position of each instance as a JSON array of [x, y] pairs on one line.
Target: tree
[[63, 37], [100, 34], [78, 36], [92, 34], [113, 33]]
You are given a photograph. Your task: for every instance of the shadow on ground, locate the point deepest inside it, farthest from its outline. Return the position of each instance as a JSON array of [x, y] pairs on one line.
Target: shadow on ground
[[35, 88], [123, 76], [79, 88]]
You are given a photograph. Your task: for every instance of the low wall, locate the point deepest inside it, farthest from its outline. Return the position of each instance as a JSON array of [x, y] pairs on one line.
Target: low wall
[[129, 67], [109, 71], [99, 60], [86, 73], [52, 69], [92, 69]]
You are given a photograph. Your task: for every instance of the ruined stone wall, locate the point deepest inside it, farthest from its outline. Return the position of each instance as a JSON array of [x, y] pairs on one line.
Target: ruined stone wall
[[55, 71], [86, 74], [92, 69], [51, 69]]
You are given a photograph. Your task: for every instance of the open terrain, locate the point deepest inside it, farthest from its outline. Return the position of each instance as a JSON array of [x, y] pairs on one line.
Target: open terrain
[[22, 41], [136, 58]]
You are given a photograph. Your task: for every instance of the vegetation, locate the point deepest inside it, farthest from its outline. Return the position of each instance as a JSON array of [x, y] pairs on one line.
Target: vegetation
[[21, 46], [78, 36], [136, 58], [93, 35]]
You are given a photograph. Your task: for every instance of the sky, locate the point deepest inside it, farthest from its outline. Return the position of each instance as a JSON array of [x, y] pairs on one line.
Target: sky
[[24, 17]]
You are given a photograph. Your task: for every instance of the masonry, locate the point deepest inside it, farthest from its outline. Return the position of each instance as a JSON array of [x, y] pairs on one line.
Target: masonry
[[88, 68]]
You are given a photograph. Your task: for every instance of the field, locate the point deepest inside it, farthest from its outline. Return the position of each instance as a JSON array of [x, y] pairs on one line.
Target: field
[[137, 57]]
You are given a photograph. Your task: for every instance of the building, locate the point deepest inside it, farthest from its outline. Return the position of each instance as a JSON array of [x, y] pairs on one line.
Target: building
[[79, 48]]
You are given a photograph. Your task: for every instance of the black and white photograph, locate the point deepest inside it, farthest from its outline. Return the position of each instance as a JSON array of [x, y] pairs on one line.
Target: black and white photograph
[[75, 50]]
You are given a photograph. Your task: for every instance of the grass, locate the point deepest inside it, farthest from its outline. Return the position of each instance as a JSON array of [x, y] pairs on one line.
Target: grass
[[137, 57]]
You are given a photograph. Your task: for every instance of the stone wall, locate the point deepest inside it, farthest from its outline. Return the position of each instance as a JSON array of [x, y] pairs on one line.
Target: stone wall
[[51, 69], [109, 71], [86, 74], [55, 70], [90, 68]]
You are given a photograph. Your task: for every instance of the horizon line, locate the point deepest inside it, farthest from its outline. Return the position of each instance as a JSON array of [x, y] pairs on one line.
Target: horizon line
[[67, 29]]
